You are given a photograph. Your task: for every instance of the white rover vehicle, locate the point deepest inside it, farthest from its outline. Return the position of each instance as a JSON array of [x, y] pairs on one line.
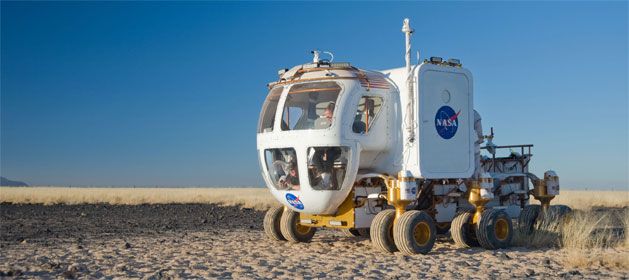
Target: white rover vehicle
[[392, 154]]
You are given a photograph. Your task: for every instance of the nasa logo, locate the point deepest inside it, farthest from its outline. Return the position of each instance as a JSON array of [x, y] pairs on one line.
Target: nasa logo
[[446, 122], [294, 201]]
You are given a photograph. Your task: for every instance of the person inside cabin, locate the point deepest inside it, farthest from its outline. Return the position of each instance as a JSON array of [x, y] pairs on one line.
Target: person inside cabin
[[363, 116], [290, 181], [323, 161], [325, 121]]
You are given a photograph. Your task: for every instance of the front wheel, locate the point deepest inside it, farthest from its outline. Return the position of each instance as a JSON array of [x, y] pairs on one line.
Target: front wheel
[[272, 223], [292, 230], [382, 231], [415, 232]]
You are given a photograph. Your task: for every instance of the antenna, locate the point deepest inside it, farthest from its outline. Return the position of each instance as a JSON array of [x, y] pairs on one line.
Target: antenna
[[315, 58], [406, 28], [410, 125]]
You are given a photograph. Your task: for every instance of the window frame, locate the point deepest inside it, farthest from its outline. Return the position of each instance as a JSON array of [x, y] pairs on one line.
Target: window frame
[[274, 115], [335, 113], [376, 114]]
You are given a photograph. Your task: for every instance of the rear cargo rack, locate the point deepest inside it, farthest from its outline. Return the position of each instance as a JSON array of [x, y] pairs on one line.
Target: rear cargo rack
[[523, 158]]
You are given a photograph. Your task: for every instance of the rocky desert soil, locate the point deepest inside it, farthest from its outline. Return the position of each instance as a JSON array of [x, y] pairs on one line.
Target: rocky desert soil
[[208, 241]]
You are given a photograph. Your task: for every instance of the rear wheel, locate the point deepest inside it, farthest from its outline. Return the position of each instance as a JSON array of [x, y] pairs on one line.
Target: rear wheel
[[292, 230], [494, 230], [528, 218], [415, 232], [382, 231], [559, 211], [462, 230], [272, 223]]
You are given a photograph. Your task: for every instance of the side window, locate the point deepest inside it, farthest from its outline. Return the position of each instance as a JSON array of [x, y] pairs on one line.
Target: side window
[[368, 109], [267, 115]]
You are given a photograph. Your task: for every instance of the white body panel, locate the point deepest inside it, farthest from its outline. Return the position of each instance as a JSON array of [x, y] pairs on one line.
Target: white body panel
[[314, 201], [439, 154]]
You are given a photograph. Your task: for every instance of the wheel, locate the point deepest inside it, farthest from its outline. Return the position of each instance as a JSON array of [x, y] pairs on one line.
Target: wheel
[[356, 232], [414, 232], [559, 211], [364, 232], [462, 230], [382, 231], [528, 218], [494, 230], [292, 230], [272, 223], [442, 228], [350, 232]]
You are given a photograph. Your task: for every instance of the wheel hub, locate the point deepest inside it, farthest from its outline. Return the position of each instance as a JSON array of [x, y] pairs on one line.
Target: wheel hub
[[303, 230], [502, 229], [421, 232]]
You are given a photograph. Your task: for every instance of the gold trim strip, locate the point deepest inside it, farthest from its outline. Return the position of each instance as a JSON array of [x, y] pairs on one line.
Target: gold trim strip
[[312, 79]]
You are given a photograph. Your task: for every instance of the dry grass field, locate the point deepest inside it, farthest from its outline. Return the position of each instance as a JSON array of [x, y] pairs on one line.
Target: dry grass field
[[585, 200], [257, 198], [38, 223]]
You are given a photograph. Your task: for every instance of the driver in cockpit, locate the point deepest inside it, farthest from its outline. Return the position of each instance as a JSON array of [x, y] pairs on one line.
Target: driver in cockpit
[[325, 121]]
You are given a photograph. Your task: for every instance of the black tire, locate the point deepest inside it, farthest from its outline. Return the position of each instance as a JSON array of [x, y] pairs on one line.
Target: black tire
[[292, 230], [356, 232], [442, 228], [494, 230], [462, 230], [382, 231], [414, 232], [528, 218], [350, 232], [559, 211], [272, 223]]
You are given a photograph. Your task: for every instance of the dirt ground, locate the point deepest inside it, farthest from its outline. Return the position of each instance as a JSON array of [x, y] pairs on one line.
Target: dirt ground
[[165, 241]]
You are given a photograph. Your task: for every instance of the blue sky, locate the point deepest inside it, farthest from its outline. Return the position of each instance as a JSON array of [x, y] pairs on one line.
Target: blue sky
[[169, 93]]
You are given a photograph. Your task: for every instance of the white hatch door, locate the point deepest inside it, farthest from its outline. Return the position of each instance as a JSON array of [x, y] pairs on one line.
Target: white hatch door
[[446, 122]]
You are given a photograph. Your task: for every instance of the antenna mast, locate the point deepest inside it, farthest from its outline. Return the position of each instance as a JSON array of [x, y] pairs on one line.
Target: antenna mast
[[410, 124]]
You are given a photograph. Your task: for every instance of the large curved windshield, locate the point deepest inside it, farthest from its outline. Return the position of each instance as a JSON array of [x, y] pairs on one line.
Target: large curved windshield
[[310, 106], [267, 116]]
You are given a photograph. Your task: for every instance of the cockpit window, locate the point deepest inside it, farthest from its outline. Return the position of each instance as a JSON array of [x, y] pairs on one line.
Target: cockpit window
[[327, 167], [282, 167], [368, 108], [310, 106], [267, 116]]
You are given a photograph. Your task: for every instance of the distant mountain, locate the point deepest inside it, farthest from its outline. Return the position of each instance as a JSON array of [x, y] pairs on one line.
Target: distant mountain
[[7, 182]]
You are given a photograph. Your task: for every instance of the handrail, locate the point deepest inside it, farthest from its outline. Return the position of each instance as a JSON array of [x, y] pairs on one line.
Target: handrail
[[511, 146]]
